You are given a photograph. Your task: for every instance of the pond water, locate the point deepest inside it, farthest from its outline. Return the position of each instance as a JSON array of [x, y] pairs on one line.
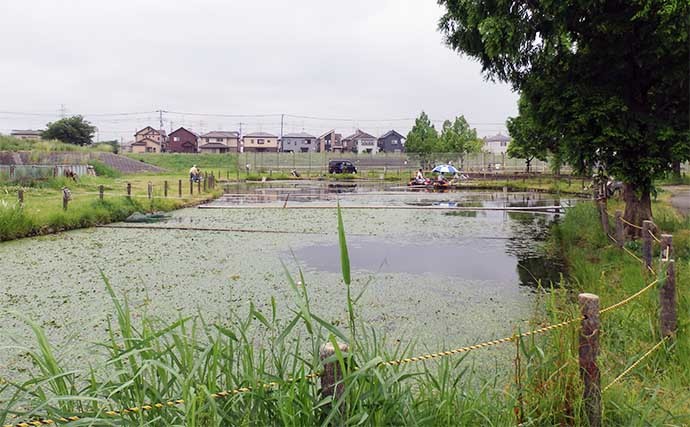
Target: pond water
[[437, 277]]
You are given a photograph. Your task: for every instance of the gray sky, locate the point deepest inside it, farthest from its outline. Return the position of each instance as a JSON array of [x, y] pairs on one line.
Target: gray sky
[[368, 60]]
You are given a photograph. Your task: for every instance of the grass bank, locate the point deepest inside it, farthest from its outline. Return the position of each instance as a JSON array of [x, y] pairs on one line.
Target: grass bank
[[42, 211]]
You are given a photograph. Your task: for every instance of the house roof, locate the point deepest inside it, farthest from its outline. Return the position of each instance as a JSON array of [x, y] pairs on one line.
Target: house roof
[[260, 134], [143, 141], [360, 134], [25, 132], [221, 134], [184, 128], [498, 137], [298, 135], [213, 145], [389, 133], [149, 129]]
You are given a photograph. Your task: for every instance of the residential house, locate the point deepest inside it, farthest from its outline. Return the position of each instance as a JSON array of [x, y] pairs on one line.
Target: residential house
[[183, 140], [330, 141], [361, 142], [146, 145], [260, 142], [391, 142], [154, 134], [219, 142], [27, 134], [497, 144], [300, 142]]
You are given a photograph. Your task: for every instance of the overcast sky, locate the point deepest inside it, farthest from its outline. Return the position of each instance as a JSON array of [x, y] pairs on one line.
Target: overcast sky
[[364, 61]]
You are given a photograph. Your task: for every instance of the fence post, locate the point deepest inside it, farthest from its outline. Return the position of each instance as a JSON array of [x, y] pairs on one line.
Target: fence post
[[620, 229], [588, 352], [101, 189], [179, 188], [149, 190], [65, 197], [603, 215], [11, 171], [129, 190], [647, 227], [667, 293], [165, 189], [198, 186], [331, 378], [191, 187], [20, 197]]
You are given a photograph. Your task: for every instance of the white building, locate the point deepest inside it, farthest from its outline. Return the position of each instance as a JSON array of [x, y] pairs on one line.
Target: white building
[[497, 144]]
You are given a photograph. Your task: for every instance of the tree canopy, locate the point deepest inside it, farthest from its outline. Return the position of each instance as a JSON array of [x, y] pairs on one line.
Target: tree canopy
[[71, 130], [606, 81], [529, 140], [458, 137], [423, 137]]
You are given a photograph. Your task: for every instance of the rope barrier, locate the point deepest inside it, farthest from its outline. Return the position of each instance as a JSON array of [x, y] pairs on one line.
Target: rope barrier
[[653, 236], [628, 299], [630, 223], [637, 362], [477, 346]]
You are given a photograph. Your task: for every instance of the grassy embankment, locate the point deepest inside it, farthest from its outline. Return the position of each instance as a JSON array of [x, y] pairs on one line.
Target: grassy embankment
[[42, 211], [152, 361]]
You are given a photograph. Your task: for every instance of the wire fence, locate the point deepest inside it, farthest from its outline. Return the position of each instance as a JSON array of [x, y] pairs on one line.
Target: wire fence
[[332, 380]]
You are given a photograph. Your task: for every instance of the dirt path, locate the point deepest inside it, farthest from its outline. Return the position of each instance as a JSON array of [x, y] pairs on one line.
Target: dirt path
[[680, 198]]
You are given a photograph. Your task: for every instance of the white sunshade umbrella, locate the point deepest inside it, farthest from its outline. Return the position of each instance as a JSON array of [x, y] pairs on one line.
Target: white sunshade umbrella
[[445, 169]]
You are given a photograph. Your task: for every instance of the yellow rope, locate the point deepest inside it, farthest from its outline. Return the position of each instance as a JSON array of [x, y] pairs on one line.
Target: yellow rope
[[630, 223], [637, 362], [630, 298], [152, 406], [653, 236], [477, 346]]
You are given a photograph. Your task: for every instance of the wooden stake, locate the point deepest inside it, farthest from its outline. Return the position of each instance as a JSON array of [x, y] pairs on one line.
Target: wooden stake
[[101, 189], [165, 189], [603, 215], [647, 227], [198, 186], [149, 190], [129, 190], [65, 197], [179, 188], [588, 352], [620, 229], [20, 197], [331, 378], [191, 187], [205, 179]]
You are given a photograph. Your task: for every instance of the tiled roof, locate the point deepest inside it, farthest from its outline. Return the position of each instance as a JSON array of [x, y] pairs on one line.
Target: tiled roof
[[220, 134], [260, 135], [298, 135]]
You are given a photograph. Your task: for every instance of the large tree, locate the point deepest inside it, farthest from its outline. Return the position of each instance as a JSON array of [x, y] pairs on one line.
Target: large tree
[[458, 137], [423, 137], [529, 139], [609, 79], [71, 130]]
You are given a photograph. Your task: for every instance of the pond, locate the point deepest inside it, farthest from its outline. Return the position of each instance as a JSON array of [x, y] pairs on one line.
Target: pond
[[434, 276]]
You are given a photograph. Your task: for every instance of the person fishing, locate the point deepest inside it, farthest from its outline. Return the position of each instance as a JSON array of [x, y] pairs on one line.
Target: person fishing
[[193, 173], [419, 179]]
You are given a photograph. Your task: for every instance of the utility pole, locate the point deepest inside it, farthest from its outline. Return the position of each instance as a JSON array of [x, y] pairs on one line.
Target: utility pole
[[160, 119], [282, 117], [63, 111], [239, 141]]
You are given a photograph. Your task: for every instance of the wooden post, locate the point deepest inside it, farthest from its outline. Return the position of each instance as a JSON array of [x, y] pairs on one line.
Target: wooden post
[[129, 189], [198, 186], [620, 229], [179, 188], [101, 189], [647, 227], [667, 299], [191, 187], [11, 171], [65, 197], [149, 190], [20, 197], [588, 352], [603, 215], [205, 179], [165, 189], [331, 378]]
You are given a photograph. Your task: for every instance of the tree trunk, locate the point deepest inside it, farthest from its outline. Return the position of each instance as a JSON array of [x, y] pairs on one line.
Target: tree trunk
[[527, 162], [638, 207]]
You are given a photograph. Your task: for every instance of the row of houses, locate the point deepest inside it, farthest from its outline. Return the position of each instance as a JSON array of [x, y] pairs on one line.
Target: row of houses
[[183, 140]]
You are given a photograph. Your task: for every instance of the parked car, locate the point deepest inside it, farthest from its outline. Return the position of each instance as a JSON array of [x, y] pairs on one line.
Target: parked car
[[341, 166]]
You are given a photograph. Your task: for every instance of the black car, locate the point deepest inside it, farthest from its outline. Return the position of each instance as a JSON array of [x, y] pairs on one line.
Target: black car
[[341, 166]]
